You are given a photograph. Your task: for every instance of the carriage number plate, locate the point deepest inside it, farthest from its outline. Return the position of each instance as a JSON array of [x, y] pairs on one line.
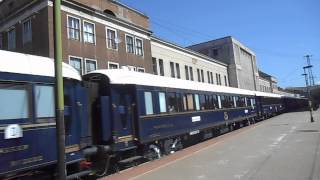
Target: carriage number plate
[[13, 131]]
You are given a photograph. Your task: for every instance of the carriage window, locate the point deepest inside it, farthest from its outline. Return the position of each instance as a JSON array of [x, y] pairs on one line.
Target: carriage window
[[236, 98], [180, 103], [172, 102], [190, 103], [224, 103], [14, 102], [148, 102], [44, 99], [185, 106], [162, 102], [196, 99], [214, 102], [203, 102], [253, 102], [241, 102]]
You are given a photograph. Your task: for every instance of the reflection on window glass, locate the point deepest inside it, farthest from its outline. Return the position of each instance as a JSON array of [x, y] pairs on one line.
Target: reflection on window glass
[[172, 102], [13, 102], [162, 102], [190, 102], [148, 102], [196, 98], [44, 99]]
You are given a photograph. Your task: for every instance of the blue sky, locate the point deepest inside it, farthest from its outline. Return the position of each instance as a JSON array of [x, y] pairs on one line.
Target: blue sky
[[281, 32]]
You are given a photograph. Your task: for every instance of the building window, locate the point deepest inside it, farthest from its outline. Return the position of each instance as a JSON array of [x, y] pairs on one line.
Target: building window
[[217, 78], [76, 62], [220, 80], [112, 65], [91, 65], [88, 32], [73, 28], [130, 44], [211, 76], [187, 72], [202, 76], [27, 31], [139, 69], [154, 66], [12, 39], [161, 67], [139, 47], [172, 69], [225, 81], [178, 70], [148, 102], [198, 73], [215, 52], [111, 39], [191, 73], [208, 74]]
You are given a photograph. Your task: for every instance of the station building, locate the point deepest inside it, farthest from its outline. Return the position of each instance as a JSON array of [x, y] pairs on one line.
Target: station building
[[96, 34], [174, 61], [100, 34], [241, 61], [267, 83]]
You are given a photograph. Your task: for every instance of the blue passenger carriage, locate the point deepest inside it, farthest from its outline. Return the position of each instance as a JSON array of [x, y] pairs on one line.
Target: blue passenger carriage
[[161, 114], [27, 114]]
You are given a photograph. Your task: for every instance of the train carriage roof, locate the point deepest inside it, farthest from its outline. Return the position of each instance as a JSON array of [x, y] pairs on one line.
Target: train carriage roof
[[120, 76], [33, 65]]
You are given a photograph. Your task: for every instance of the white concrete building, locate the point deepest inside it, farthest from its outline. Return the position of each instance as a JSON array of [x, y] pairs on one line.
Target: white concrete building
[[178, 62]]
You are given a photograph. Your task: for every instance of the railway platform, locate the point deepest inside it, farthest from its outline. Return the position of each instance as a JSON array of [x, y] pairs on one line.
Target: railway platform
[[285, 147]]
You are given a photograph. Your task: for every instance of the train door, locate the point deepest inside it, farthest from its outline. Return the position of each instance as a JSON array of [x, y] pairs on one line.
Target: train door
[[123, 113]]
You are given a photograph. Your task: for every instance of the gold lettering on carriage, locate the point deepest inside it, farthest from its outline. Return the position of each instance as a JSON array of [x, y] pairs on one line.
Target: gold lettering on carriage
[[13, 149], [26, 161], [226, 117]]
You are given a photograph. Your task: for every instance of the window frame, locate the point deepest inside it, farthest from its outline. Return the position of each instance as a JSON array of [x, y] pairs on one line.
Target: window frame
[[155, 66], [161, 67], [115, 37], [24, 39], [165, 102], [94, 32], [81, 62], [172, 70], [141, 68], [152, 103], [178, 70], [136, 45], [41, 119], [133, 43], [85, 64], [68, 28], [113, 63], [14, 43], [30, 114]]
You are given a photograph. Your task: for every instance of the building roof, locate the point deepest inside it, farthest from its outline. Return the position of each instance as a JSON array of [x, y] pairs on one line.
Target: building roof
[[33, 65], [231, 38]]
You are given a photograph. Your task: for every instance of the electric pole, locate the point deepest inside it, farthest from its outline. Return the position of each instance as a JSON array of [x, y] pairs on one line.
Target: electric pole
[[309, 66], [309, 94], [60, 129]]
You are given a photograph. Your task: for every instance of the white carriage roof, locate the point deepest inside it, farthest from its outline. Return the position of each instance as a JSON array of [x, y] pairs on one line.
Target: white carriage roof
[[120, 76], [34, 65]]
